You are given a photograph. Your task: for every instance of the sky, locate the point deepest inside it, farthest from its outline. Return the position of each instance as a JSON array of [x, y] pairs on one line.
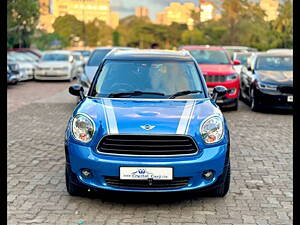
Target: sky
[[126, 7]]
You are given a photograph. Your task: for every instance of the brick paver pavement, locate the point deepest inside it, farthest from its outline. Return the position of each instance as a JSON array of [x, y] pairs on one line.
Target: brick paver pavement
[[261, 186]]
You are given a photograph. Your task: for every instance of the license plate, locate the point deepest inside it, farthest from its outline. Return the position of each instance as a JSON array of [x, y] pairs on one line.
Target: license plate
[[290, 98], [145, 173]]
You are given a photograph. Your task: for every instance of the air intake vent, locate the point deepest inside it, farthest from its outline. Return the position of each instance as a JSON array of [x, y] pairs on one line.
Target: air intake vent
[[147, 145], [178, 182]]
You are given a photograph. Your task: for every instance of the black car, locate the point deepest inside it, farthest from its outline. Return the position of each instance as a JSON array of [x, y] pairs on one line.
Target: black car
[[267, 81]]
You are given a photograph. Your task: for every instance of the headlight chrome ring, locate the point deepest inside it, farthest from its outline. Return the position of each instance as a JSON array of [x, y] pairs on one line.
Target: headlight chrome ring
[[83, 128]]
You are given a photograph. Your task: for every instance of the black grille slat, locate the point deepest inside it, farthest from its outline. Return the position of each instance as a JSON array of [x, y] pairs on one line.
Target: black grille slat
[[147, 145], [144, 184], [215, 78]]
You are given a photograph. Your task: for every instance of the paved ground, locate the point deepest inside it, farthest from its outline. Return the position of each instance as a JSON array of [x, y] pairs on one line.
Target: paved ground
[[261, 187]]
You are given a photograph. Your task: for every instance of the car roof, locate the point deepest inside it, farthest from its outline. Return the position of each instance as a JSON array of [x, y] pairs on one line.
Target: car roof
[[191, 47], [149, 54], [275, 54], [114, 47]]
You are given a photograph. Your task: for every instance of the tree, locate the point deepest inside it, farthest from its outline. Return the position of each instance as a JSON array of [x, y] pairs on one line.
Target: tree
[[98, 33], [22, 18], [68, 27], [43, 40], [283, 25]]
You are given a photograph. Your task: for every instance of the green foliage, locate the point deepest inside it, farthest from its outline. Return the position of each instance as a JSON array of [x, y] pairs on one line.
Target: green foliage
[[97, 33], [43, 40], [22, 18], [68, 27], [242, 23]]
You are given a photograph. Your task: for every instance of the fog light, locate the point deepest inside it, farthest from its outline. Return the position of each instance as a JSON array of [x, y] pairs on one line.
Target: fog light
[[86, 173], [208, 175], [231, 91]]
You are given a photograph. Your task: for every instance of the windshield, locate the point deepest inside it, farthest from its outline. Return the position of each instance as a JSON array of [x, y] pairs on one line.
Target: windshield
[[148, 76], [274, 63], [210, 56], [243, 58], [84, 53], [55, 57], [18, 56], [97, 57]]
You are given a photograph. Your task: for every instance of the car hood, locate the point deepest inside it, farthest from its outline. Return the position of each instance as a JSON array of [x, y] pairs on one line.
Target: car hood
[[56, 64], [128, 116], [23, 65], [216, 69], [276, 77], [90, 72]]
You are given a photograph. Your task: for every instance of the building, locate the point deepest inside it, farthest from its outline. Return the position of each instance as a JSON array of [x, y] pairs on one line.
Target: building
[[83, 10], [271, 9], [207, 11], [179, 13], [142, 12]]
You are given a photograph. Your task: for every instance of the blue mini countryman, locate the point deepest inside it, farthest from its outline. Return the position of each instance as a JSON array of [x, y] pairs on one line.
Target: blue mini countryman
[[147, 124]]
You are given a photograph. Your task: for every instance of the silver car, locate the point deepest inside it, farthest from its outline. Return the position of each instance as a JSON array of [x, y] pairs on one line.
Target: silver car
[[22, 64], [56, 65], [93, 63]]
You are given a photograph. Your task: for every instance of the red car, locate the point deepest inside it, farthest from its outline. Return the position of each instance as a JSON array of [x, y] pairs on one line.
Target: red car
[[217, 68], [32, 51]]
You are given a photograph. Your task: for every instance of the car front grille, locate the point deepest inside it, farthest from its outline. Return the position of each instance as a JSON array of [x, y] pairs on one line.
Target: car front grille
[[215, 78], [286, 89], [177, 182], [147, 145]]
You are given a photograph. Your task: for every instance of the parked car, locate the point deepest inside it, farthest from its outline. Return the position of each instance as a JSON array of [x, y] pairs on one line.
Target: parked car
[[218, 69], [267, 81], [147, 124], [85, 53], [79, 63], [36, 52], [12, 78], [232, 49], [242, 57], [56, 65], [22, 64], [93, 63]]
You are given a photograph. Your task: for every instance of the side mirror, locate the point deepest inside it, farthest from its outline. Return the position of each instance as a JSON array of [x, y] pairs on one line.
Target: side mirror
[[77, 90], [236, 62], [219, 91]]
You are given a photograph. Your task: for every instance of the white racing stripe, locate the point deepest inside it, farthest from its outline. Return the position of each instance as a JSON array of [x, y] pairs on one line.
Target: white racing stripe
[[110, 118], [186, 116]]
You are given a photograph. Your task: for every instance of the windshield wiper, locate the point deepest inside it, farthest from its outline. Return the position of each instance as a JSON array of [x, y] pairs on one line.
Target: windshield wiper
[[181, 93], [134, 93]]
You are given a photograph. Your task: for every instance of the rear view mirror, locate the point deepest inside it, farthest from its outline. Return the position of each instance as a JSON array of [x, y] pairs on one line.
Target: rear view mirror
[[219, 91], [77, 90]]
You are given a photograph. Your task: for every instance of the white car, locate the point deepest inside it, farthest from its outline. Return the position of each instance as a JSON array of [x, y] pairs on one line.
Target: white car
[[56, 65], [22, 64]]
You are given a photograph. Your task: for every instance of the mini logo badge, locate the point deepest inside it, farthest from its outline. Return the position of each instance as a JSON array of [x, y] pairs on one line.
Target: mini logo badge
[[147, 127]]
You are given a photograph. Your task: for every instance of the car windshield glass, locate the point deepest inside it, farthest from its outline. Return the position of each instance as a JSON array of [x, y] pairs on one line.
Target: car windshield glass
[[19, 57], [84, 53], [55, 57], [97, 57], [242, 58], [166, 78], [210, 56], [274, 63]]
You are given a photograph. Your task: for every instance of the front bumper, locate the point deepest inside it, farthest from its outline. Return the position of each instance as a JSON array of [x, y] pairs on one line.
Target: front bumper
[[52, 75], [271, 99], [79, 157]]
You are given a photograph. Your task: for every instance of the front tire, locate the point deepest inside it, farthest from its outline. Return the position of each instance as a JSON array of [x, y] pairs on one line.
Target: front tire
[[253, 101], [223, 188], [72, 189]]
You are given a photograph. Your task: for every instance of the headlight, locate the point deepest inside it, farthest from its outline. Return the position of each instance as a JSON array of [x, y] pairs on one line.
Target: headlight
[[83, 128], [212, 129], [231, 77], [267, 86]]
